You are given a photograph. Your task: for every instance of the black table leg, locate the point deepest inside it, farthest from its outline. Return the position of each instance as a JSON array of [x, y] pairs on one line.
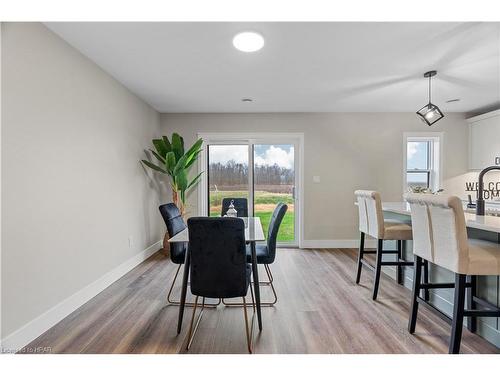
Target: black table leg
[[256, 284], [185, 278]]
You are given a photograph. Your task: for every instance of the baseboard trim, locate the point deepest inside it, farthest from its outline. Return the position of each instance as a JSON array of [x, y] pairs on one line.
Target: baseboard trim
[[336, 244], [30, 331]]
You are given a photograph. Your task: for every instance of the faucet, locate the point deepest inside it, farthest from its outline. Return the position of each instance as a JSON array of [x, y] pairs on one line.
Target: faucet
[[480, 198]]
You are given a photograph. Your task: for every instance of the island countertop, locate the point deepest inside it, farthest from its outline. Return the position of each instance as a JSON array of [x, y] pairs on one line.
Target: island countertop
[[486, 223]]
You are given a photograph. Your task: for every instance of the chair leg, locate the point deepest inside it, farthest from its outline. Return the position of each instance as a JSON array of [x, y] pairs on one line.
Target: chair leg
[[172, 286], [271, 284], [426, 280], [247, 329], [269, 274], [471, 305], [187, 304], [253, 303], [261, 283], [458, 314], [417, 269], [360, 256], [399, 270], [192, 331], [254, 310], [378, 268]]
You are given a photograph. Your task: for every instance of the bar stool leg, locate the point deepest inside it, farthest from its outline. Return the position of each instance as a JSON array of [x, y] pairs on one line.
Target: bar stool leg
[[426, 279], [399, 271], [471, 305], [378, 268], [417, 274], [458, 314], [361, 252]]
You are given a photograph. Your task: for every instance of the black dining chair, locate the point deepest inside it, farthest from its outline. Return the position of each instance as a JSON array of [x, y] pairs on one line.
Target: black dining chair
[[175, 224], [218, 267], [240, 205], [266, 252]]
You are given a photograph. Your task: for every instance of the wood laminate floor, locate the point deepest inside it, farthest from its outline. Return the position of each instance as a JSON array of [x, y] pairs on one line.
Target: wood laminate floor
[[320, 310]]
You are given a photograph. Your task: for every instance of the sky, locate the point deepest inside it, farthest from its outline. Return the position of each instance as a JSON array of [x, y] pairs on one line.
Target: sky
[[417, 159], [417, 155], [282, 155]]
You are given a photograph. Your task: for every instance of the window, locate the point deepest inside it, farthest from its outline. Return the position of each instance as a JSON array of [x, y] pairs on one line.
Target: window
[[422, 161], [418, 166]]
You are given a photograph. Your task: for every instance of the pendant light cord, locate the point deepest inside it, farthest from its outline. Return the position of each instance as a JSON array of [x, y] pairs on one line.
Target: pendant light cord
[[430, 89]]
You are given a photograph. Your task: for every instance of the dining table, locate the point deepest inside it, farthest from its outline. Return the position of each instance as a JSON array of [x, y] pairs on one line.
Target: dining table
[[253, 233]]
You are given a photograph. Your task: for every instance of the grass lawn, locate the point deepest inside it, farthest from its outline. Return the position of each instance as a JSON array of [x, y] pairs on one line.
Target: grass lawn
[[261, 197], [285, 233], [264, 206]]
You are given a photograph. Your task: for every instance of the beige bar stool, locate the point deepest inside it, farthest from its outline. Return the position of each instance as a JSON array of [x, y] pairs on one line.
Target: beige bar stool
[[440, 236], [372, 223]]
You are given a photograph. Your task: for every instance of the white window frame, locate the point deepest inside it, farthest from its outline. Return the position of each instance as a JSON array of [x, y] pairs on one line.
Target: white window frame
[[436, 142], [297, 139]]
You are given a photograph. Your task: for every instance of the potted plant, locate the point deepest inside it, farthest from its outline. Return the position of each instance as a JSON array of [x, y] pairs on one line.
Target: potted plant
[[176, 163]]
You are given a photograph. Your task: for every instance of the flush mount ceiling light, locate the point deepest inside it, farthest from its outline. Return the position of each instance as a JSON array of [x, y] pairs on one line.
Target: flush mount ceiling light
[[247, 100], [248, 41], [430, 113]]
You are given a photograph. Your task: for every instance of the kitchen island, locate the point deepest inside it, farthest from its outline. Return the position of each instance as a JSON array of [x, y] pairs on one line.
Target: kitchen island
[[484, 223], [488, 287]]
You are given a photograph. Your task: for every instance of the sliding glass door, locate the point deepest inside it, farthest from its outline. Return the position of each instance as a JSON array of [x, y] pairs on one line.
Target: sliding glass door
[[228, 175], [274, 182], [262, 170]]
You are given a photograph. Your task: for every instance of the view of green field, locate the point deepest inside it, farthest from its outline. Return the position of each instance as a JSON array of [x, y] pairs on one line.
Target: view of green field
[[265, 202]]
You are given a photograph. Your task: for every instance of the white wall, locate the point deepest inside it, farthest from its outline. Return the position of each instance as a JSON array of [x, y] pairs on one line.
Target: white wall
[[73, 190], [348, 151]]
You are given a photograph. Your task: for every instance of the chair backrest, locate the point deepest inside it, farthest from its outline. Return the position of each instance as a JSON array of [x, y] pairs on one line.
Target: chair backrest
[[371, 218], [175, 224], [274, 226], [240, 205], [218, 257], [439, 230]]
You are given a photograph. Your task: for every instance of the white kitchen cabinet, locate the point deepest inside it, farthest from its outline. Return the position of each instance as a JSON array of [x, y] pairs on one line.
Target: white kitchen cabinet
[[484, 140]]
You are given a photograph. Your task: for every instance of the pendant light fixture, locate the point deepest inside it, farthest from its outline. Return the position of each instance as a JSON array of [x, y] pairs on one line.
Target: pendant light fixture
[[430, 113]]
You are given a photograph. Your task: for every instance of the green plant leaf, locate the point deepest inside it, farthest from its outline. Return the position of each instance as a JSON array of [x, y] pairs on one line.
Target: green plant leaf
[[181, 164], [177, 145], [194, 181], [170, 162], [160, 147], [195, 147], [154, 166], [167, 143], [181, 180], [192, 159], [160, 158]]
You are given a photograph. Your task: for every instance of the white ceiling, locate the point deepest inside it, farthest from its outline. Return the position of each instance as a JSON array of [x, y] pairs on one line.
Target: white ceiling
[[303, 67]]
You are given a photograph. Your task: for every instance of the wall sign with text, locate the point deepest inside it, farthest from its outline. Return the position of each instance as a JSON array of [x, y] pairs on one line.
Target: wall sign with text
[[491, 189]]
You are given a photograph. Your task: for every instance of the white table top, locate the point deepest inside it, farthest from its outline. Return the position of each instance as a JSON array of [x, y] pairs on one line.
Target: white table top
[[487, 223], [253, 231]]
